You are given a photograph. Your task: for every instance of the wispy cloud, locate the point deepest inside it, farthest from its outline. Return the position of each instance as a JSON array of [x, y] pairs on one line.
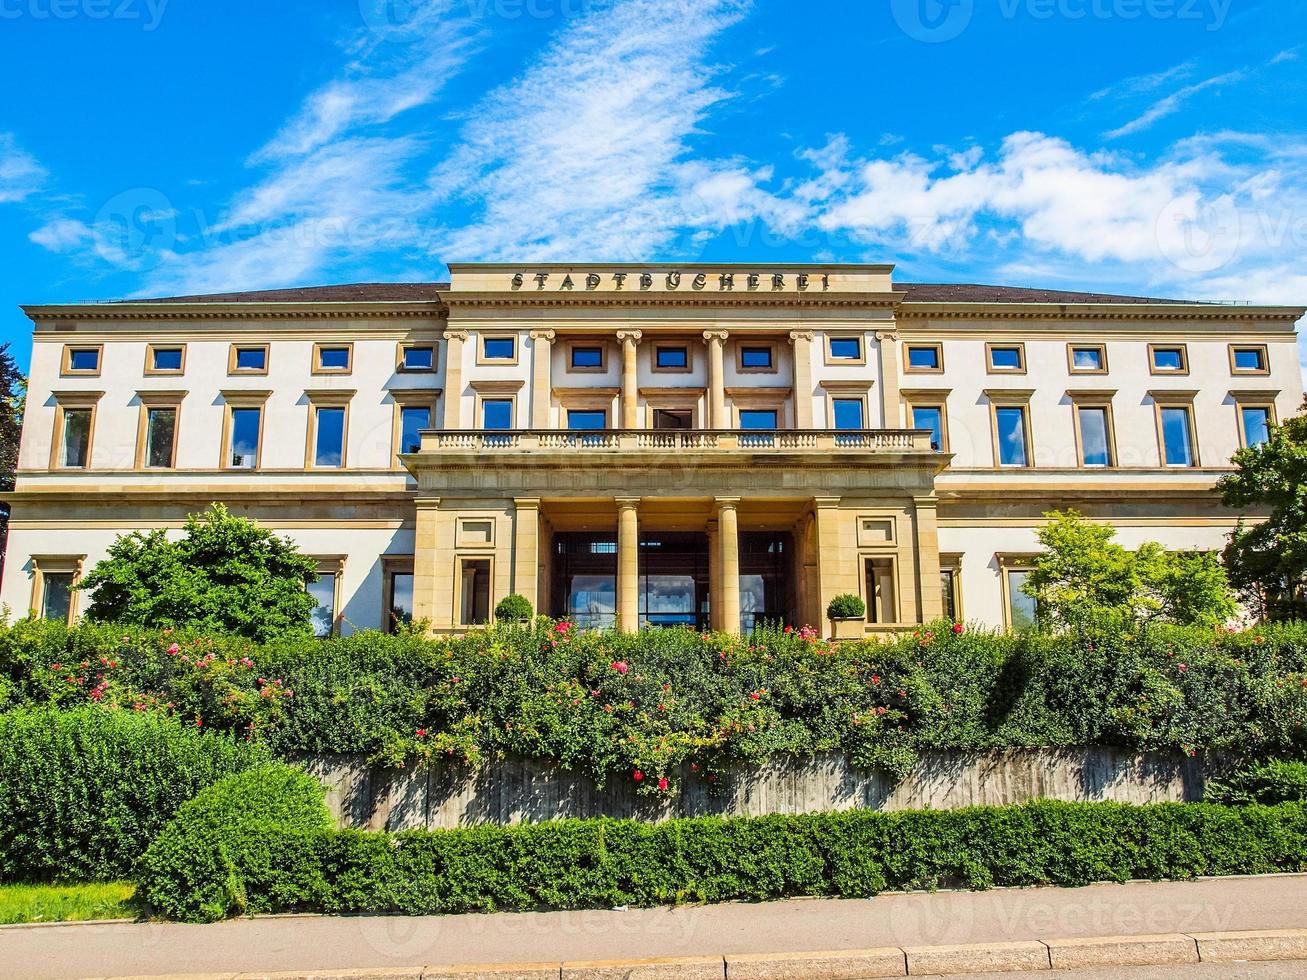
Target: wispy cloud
[[1172, 103], [21, 175]]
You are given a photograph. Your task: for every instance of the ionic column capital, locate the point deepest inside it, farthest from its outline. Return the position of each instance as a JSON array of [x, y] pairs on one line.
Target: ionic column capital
[[630, 336], [892, 336], [543, 335], [726, 503], [798, 335], [627, 503], [716, 335], [459, 335]]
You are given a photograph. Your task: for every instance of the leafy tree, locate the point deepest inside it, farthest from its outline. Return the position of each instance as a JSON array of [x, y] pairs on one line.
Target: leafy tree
[[1084, 576], [1267, 561], [13, 393], [226, 574]]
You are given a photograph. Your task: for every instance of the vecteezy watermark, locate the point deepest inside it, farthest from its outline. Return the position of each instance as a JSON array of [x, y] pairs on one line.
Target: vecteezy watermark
[[936, 21], [135, 228], [406, 20], [1199, 236], [149, 13]]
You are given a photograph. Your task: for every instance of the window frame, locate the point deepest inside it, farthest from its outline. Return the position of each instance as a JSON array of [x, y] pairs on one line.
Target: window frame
[[1262, 372], [233, 353], [324, 345], [77, 401], [242, 399], [952, 562], [1094, 400], [1253, 399], [318, 400], [773, 365], [1179, 372], [332, 565], [864, 559], [392, 565], [66, 369], [1008, 563], [496, 391], [152, 371], [151, 400], [657, 346], [404, 346], [993, 345], [1074, 346], [43, 565], [1176, 399], [833, 361], [410, 398], [484, 361], [910, 368], [1011, 398], [461, 560], [836, 390], [599, 345]]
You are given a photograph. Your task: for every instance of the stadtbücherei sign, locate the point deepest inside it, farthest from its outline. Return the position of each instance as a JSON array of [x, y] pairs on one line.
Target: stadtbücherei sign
[[724, 282]]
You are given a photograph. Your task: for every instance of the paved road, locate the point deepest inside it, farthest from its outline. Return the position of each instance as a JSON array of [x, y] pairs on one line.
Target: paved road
[[279, 944], [1201, 971]]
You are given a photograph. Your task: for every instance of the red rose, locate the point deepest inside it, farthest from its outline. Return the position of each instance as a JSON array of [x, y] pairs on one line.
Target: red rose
[[957, 629], [620, 666], [174, 649], [638, 776], [422, 733], [1182, 667], [662, 784]]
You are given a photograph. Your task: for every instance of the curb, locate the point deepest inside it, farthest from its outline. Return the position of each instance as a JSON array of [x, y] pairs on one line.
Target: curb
[[855, 964]]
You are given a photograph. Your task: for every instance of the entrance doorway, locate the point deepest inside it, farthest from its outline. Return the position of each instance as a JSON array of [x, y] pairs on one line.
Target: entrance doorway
[[674, 579], [767, 576]]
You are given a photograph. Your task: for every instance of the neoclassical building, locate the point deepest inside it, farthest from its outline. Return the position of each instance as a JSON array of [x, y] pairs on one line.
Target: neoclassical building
[[641, 445]]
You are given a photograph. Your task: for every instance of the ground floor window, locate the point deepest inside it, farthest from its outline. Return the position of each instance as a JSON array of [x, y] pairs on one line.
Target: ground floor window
[[948, 592], [475, 580], [766, 579], [57, 596], [1021, 608], [584, 579], [54, 581], [398, 592], [881, 604], [674, 579]]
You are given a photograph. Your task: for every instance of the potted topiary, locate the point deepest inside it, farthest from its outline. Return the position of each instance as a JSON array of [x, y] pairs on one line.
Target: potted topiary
[[847, 614], [513, 608]]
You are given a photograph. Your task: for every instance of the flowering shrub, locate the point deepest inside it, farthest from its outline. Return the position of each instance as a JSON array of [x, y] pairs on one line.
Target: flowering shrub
[[667, 701]]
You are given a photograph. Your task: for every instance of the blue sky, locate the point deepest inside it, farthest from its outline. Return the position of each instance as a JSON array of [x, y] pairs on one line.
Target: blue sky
[[159, 147]]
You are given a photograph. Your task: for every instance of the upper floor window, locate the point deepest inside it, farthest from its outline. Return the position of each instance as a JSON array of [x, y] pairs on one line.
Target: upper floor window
[[75, 451], [758, 419], [82, 360], [1093, 423], [499, 349], [671, 357], [165, 360], [757, 357], [844, 349], [848, 413], [1012, 434], [412, 420], [1248, 360], [417, 358], [582, 419], [332, 358], [248, 359], [673, 418], [930, 417], [497, 413], [329, 436], [587, 357], [1254, 425], [1006, 358], [924, 358], [1168, 359], [245, 426], [160, 446], [1176, 434], [1087, 358]]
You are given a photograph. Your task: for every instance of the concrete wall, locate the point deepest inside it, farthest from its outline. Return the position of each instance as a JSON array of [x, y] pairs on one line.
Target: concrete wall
[[521, 790]]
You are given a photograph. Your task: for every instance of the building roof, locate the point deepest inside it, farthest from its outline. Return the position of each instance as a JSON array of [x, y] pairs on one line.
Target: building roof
[[420, 292]]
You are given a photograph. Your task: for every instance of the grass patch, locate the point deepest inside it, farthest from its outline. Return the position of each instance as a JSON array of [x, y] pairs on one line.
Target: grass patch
[[67, 903]]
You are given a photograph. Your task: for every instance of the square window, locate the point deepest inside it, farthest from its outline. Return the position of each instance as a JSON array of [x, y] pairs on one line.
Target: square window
[[84, 360], [245, 426], [498, 348], [1250, 360], [412, 420], [924, 358], [166, 360], [1177, 441], [1006, 358], [497, 413], [672, 358], [845, 349], [160, 437], [329, 437], [930, 417], [1010, 421], [758, 419], [333, 358], [251, 359], [848, 413], [1256, 424], [587, 420], [587, 358], [419, 358], [1168, 359], [1090, 360], [756, 358]]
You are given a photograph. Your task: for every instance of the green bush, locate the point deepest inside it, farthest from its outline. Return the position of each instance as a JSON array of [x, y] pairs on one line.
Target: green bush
[[847, 606], [83, 792], [514, 608], [1269, 782], [601, 863], [196, 864]]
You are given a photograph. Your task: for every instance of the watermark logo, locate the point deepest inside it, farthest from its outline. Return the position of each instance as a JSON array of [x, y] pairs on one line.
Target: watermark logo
[[1199, 236], [147, 13], [393, 20], [409, 20], [932, 21], [936, 21], [135, 228]]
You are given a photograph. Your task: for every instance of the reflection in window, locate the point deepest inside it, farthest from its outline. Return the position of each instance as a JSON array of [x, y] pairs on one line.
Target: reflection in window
[[329, 444], [930, 417], [1087, 359], [251, 359], [1168, 359], [755, 358], [948, 592], [412, 420], [587, 358], [848, 413], [1021, 607], [672, 358], [497, 413], [1005, 358], [1252, 359], [1256, 425], [77, 438], [880, 590], [166, 359], [160, 437], [845, 349], [758, 419], [324, 613], [245, 437], [1176, 437], [923, 358], [57, 596], [419, 358], [1011, 423], [400, 601], [585, 419], [498, 348], [1095, 450], [84, 359]]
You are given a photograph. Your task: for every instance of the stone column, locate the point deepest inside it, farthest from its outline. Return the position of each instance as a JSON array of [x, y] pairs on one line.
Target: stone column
[[426, 553], [890, 403], [728, 534], [927, 524], [717, 418], [628, 564], [836, 558], [541, 385], [630, 343], [526, 549], [714, 577], [452, 417], [802, 341]]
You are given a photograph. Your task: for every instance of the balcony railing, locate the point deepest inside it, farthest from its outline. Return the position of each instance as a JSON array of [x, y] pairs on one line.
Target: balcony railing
[[678, 440]]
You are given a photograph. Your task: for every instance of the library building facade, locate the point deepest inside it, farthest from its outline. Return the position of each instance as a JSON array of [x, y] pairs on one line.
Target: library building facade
[[632, 446]]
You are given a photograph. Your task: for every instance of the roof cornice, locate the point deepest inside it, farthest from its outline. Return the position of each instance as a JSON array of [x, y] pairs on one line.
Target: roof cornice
[[1097, 311], [156, 311]]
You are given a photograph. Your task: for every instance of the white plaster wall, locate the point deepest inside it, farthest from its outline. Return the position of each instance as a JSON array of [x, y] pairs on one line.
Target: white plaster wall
[[835, 371]]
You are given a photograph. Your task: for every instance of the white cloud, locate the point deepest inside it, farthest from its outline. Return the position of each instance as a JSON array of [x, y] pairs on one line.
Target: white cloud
[[1172, 103], [21, 175], [63, 235]]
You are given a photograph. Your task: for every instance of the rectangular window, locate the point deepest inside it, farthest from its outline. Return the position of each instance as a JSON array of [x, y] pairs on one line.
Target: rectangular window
[[930, 417], [166, 360], [412, 420], [76, 439], [476, 592], [848, 413], [1021, 608], [497, 413], [1088, 359], [1256, 424], [244, 449], [672, 358], [845, 349], [399, 603], [160, 438], [1248, 360], [332, 359], [758, 419], [329, 437], [418, 358], [587, 358], [948, 592], [1168, 360], [756, 358], [880, 590], [925, 358], [56, 596], [1010, 421], [1007, 357], [324, 613], [82, 360], [249, 360], [498, 348], [1095, 442], [665, 418], [1177, 436], [587, 420]]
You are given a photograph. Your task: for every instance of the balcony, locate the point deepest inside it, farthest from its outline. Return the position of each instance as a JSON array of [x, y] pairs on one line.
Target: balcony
[[600, 441]]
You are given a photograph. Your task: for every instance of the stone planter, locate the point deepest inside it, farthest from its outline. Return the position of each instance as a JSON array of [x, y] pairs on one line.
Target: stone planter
[[848, 629]]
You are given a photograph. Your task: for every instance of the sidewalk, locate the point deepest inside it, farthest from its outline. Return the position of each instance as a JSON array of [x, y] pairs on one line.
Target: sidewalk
[[312, 943]]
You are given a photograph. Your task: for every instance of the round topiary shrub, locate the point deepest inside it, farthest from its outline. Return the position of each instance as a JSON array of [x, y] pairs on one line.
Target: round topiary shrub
[[83, 792], [846, 606], [514, 608], [197, 868]]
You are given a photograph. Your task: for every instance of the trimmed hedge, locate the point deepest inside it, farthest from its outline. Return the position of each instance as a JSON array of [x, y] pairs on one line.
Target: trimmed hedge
[[603, 863], [83, 792], [1272, 781]]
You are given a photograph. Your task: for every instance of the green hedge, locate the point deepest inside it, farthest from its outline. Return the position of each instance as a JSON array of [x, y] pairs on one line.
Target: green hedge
[[1270, 781], [83, 792], [603, 863], [663, 701]]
